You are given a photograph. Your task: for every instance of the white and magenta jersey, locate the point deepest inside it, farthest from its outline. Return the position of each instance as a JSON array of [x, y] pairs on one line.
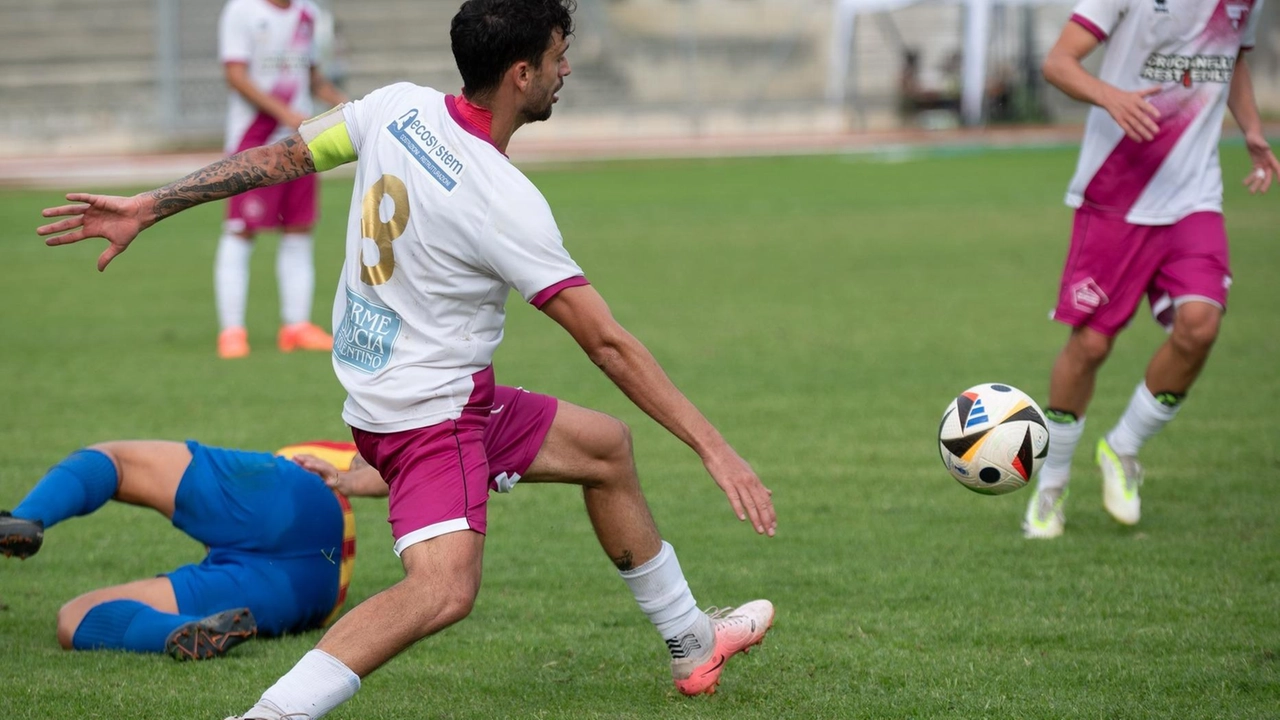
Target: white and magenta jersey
[[278, 46], [442, 227], [1189, 49]]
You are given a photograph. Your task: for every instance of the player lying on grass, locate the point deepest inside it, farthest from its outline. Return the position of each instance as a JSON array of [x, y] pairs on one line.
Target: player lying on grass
[[282, 546]]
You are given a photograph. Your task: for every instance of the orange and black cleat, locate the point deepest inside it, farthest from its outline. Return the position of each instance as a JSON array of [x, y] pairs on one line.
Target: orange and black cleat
[[19, 538], [213, 636]]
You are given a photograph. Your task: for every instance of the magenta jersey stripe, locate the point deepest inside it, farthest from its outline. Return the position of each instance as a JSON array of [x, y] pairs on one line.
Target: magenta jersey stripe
[[1124, 175], [305, 30], [1089, 25], [1130, 167], [545, 295], [261, 128], [263, 124]]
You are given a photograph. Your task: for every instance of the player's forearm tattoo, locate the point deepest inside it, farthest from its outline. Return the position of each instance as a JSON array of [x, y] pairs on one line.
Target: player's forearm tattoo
[[254, 168], [357, 463]]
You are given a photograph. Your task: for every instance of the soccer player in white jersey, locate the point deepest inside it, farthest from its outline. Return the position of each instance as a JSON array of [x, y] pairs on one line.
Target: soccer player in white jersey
[[1148, 199], [268, 52], [442, 227]]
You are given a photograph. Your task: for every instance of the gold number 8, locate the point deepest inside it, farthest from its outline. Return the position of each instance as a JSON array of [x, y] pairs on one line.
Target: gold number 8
[[382, 233]]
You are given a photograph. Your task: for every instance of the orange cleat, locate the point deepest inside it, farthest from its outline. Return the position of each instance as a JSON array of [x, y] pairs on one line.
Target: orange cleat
[[736, 631], [233, 343], [304, 336]]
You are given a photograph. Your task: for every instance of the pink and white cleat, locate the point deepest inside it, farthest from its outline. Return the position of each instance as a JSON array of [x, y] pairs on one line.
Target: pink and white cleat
[[737, 630]]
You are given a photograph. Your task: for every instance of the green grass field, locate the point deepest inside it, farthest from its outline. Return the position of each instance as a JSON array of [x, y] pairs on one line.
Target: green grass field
[[822, 311]]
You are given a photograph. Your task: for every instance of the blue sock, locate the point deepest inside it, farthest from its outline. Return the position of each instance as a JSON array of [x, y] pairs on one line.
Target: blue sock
[[126, 625], [78, 485]]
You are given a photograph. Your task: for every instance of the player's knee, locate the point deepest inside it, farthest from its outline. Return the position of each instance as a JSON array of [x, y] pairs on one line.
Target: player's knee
[[614, 457], [1196, 328], [622, 452], [458, 605], [453, 601], [69, 617], [1089, 347]]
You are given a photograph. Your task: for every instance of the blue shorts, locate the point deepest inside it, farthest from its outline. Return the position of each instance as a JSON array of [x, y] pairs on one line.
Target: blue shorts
[[274, 533]]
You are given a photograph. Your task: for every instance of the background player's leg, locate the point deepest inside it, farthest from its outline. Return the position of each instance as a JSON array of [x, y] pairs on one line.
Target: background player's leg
[[295, 267], [1178, 362], [1172, 370], [231, 292], [295, 272], [1071, 386], [442, 579], [1155, 402]]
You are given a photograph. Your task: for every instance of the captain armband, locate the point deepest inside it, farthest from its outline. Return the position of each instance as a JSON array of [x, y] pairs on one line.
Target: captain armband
[[327, 138]]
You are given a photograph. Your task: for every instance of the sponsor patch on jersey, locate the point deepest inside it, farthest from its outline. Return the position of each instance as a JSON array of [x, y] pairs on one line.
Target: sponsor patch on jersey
[[427, 147], [367, 335]]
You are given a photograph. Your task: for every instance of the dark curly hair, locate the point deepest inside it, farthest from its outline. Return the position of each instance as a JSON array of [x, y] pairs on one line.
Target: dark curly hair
[[489, 36]]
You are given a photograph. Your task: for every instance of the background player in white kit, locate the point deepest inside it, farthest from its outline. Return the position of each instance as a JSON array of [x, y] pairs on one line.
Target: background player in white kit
[[268, 51], [442, 227], [1148, 193]]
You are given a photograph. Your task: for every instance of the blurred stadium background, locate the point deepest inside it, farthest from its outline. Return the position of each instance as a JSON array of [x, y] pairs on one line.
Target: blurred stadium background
[[129, 76]]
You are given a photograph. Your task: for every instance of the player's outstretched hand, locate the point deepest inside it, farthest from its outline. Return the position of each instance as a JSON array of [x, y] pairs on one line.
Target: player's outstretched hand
[[1133, 113], [118, 220], [1265, 166], [323, 468], [748, 496]]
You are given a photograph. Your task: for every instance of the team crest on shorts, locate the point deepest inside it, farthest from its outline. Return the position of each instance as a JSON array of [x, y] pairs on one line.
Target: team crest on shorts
[[1087, 295]]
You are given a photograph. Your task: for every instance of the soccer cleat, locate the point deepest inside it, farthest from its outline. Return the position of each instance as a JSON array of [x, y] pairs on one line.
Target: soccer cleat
[[1121, 478], [19, 538], [303, 336], [211, 637], [233, 343], [735, 631], [1045, 518]]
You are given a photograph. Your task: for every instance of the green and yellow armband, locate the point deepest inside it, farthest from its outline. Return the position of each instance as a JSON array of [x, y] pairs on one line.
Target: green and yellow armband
[[327, 138]]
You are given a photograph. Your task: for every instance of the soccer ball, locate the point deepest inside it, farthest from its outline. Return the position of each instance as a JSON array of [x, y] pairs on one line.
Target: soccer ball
[[993, 438]]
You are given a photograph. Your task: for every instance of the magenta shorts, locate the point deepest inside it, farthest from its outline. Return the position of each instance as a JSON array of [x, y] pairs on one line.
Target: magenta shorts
[[440, 476], [1112, 264], [294, 204], [518, 424]]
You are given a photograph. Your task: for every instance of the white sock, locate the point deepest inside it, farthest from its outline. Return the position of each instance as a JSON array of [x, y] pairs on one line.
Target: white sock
[[231, 279], [296, 275], [1063, 438], [316, 685], [1140, 422], [663, 594]]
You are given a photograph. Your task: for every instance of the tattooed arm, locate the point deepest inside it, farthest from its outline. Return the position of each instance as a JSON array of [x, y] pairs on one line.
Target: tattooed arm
[[119, 219], [257, 167]]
